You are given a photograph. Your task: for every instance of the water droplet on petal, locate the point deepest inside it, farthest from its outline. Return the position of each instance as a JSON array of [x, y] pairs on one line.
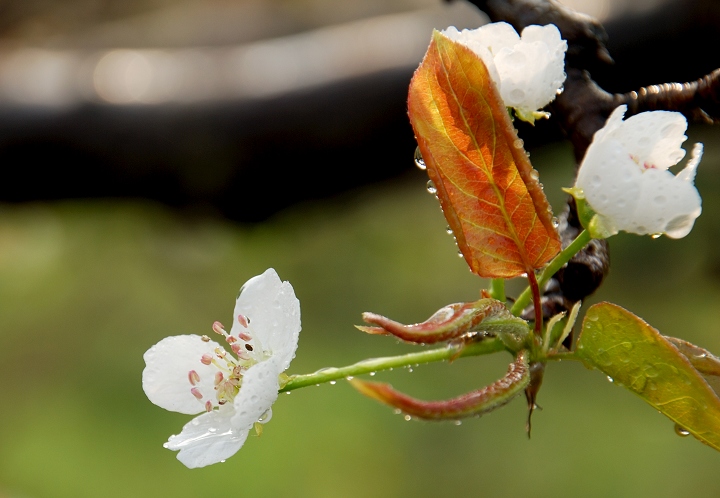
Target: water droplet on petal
[[419, 162], [681, 431], [431, 188], [656, 235]]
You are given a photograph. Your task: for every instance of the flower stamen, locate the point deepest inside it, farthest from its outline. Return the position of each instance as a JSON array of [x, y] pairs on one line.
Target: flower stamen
[[193, 377]]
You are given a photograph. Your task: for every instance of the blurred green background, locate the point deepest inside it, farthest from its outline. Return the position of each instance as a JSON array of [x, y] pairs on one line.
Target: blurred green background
[[87, 286]]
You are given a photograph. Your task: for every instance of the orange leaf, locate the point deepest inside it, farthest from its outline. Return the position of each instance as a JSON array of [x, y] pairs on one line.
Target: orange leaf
[[486, 185]]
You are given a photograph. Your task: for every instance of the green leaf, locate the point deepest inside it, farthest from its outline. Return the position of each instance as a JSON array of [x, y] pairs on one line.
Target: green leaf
[[637, 357]]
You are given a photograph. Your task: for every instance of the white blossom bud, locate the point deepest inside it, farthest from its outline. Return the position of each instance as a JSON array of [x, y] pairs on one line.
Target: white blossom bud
[[625, 179], [529, 70]]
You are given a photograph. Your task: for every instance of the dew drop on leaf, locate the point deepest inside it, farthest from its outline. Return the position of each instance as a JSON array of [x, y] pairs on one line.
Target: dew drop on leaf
[[431, 188], [681, 431], [419, 162]]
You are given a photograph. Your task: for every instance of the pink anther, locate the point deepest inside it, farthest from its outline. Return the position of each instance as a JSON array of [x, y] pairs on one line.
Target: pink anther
[[243, 320], [219, 328], [208, 406], [206, 359], [196, 392], [193, 377]]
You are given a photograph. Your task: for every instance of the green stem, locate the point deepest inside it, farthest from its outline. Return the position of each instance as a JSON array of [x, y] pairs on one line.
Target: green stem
[[497, 289], [570, 355], [551, 269], [486, 346]]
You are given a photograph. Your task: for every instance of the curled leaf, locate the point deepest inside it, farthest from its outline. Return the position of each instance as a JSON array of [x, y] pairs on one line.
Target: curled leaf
[[452, 321], [474, 403], [488, 190], [637, 357], [707, 364]]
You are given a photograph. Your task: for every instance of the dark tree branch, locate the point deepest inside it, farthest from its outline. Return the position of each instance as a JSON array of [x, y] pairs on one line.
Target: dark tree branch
[[582, 109]]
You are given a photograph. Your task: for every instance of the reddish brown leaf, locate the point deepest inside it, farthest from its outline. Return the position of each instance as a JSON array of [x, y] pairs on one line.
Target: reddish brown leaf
[[451, 321], [474, 403], [486, 185]]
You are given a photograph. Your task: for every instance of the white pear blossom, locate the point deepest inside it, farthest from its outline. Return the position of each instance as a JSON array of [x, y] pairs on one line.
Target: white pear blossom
[[192, 374], [529, 70], [625, 179]]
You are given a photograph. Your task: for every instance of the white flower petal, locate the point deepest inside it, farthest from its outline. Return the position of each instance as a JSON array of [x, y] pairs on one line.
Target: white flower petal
[[654, 138], [208, 438], [165, 377], [274, 314], [610, 181], [549, 35], [494, 36], [614, 121], [690, 170], [624, 175], [528, 70], [258, 392]]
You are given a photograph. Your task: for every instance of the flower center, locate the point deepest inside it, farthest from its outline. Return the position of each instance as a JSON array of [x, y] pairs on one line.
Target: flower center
[[229, 368]]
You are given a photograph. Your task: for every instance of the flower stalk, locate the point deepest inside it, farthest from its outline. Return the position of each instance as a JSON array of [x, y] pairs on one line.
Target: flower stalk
[[551, 269], [450, 352]]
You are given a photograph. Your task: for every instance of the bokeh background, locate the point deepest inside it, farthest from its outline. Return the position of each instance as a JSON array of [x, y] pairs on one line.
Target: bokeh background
[[156, 154]]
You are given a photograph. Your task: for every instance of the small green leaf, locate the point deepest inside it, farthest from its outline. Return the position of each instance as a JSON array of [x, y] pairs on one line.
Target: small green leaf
[[637, 357]]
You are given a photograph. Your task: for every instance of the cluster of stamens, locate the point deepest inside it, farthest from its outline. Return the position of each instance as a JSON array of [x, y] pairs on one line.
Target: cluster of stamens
[[228, 378], [646, 165]]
